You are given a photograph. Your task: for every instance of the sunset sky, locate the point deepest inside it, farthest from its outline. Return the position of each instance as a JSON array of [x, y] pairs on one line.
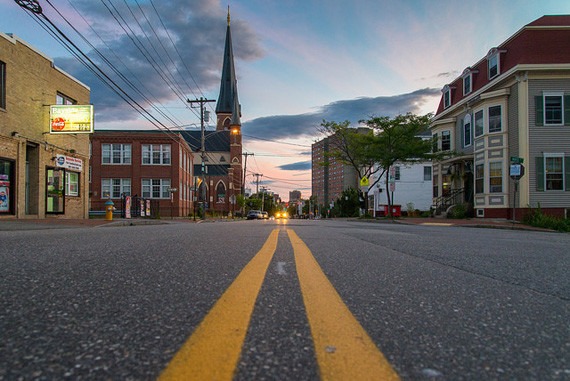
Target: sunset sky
[[297, 62]]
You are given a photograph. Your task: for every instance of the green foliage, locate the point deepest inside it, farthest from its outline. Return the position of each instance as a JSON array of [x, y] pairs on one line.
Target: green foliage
[[347, 205], [459, 211], [538, 219]]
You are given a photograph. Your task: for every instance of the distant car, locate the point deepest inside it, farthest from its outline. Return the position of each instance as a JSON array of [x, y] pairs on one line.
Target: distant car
[[254, 215], [281, 214], [264, 215]]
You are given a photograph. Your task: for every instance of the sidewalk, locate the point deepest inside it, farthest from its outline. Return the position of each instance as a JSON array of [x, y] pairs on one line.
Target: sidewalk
[[13, 224], [497, 223]]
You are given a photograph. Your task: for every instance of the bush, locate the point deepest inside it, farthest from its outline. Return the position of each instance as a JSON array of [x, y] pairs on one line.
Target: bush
[[538, 219], [459, 211]]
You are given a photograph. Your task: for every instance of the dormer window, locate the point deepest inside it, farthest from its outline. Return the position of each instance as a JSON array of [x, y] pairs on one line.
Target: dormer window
[[494, 62], [446, 96], [468, 80]]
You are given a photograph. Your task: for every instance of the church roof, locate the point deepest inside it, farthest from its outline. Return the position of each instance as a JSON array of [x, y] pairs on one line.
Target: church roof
[[215, 141], [228, 87]]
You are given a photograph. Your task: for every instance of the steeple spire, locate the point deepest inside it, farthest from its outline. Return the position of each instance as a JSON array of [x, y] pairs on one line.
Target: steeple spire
[[228, 98]]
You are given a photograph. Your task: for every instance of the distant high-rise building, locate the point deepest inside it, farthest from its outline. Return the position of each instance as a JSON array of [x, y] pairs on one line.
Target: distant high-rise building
[[329, 175], [294, 196]]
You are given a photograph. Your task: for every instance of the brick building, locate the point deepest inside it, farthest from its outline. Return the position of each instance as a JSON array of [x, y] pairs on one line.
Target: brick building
[[329, 175], [43, 171], [143, 163], [512, 105]]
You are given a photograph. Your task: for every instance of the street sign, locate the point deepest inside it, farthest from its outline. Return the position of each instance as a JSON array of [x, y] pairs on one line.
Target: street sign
[[392, 187], [364, 182], [516, 171], [517, 160]]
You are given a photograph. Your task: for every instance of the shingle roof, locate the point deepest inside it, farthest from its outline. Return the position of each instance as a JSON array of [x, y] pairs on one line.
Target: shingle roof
[[215, 141]]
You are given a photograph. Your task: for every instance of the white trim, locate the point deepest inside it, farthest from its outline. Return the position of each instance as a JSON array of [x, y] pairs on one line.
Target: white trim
[[552, 94], [546, 155]]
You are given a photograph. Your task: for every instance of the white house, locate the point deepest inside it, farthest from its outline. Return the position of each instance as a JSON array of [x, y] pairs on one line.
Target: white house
[[413, 184]]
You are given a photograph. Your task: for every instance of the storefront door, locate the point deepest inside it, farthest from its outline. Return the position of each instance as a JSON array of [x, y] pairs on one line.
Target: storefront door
[[55, 191]]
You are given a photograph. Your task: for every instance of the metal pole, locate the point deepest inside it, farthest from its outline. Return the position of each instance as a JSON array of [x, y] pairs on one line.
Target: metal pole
[[515, 200]]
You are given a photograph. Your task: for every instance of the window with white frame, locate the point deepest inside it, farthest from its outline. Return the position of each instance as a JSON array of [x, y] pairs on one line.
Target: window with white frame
[[479, 123], [61, 99], [554, 172], [71, 183], [493, 63], [427, 173], [467, 83], [495, 119], [446, 96], [446, 140], [496, 177], [155, 188], [553, 109], [467, 131], [156, 154], [116, 153], [480, 178], [396, 173], [115, 188], [434, 143]]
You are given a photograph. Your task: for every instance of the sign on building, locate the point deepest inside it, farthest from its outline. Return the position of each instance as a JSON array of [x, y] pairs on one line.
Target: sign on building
[[69, 162], [71, 119]]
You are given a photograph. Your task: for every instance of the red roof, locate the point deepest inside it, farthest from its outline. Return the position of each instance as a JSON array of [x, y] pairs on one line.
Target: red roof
[[527, 46]]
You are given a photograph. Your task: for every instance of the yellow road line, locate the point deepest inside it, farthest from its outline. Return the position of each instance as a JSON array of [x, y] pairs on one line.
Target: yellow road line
[[436, 223], [343, 348], [213, 350]]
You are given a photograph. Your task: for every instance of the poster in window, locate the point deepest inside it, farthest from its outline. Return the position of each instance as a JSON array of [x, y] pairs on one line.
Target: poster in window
[[128, 207], [4, 199]]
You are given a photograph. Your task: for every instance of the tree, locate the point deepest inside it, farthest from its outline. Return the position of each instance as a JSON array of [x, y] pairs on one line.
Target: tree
[[388, 140]]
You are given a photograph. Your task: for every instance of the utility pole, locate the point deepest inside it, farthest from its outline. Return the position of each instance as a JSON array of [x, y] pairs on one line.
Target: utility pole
[[202, 101], [257, 182], [243, 180]]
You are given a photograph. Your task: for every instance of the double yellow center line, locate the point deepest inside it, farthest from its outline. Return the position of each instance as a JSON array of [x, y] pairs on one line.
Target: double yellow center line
[[343, 349]]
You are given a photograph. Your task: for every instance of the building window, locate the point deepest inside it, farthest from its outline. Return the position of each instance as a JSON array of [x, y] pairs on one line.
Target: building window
[[156, 154], [434, 143], [467, 131], [2, 85], [554, 173], [446, 97], [221, 193], [116, 153], [496, 177], [155, 188], [495, 118], [445, 140], [115, 188], [479, 123], [467, 84], [480, 178], [396, 173], [72, 184], [427, 173], [493, 64], [61, 99], [553, 109]]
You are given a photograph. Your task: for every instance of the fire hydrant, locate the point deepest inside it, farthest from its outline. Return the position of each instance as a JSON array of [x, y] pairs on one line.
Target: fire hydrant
[[109, 206]]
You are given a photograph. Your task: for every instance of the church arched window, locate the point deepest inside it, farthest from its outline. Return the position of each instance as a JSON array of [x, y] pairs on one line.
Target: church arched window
[[221, 193]]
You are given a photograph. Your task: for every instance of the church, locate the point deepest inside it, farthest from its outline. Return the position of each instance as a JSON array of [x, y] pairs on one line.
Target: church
[[218, 170]]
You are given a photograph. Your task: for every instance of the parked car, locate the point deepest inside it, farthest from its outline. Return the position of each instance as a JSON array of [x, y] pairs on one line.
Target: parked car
[[265, 215], [254, 215]]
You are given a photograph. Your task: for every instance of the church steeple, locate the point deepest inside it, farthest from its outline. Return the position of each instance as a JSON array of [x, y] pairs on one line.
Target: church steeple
[[228, 101]]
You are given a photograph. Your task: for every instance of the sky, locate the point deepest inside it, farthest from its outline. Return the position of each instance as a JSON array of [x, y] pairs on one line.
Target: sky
[[298, 62]]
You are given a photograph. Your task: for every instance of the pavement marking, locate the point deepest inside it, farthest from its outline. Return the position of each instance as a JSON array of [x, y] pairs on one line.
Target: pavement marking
[[281, 268], [213, 350], [343, 348], [436, 223]]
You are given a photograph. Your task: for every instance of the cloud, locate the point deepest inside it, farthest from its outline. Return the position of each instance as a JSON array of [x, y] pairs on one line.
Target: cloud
[[161, 70], [303, 125], [299, 166]]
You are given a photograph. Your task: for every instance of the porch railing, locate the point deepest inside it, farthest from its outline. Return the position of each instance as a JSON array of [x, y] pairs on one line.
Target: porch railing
[[456, 196]]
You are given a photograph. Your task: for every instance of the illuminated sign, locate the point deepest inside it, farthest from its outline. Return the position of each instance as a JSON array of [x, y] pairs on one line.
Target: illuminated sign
[[71, 119]]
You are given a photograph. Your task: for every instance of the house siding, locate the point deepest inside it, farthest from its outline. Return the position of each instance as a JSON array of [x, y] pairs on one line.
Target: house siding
[[549, 139]]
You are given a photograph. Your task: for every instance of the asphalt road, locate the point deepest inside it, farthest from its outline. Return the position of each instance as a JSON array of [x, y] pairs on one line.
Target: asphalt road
[[443, 303]]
